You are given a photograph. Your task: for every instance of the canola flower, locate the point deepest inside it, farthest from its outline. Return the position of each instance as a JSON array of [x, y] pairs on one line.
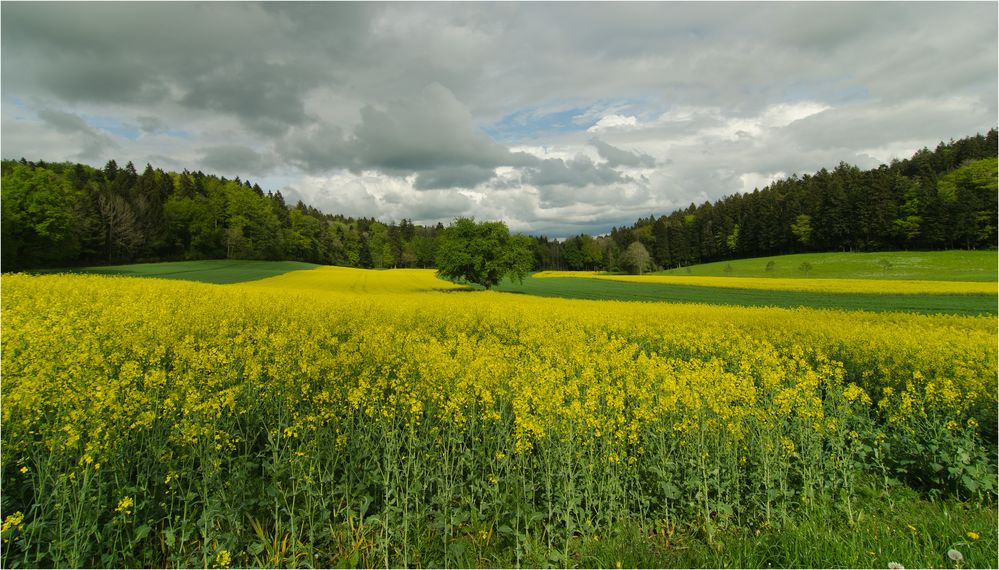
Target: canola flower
[[125, 506], [893, 286], [289, 399], [12, 521]]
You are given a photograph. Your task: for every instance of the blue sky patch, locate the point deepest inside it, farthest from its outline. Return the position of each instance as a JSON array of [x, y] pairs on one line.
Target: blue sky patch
[[112, 126], [534, 123], [530, 125]]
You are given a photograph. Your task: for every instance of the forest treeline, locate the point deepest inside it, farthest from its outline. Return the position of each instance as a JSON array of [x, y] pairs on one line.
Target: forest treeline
[[65, 214]]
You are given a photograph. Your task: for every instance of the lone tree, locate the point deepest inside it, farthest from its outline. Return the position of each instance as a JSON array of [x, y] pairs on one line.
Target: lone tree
[[636, 259], [482, 253]]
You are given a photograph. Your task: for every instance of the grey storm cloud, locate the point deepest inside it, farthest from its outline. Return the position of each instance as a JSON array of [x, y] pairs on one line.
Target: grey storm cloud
[[235, 160], [464, 176], [202, 55], [431, 134], [869, 125], [431, 129], [266, 97], [92, 141], [578, 172], [149, 124], [699, 100], [64, 122], [619, 157]]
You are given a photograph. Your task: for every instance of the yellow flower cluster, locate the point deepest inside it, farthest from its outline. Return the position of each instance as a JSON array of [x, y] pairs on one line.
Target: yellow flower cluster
[[12, 521], [893, 286], [125, 506]]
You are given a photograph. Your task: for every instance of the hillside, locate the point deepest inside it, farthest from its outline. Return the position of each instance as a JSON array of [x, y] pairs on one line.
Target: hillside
[[954, 265], [221, 271]]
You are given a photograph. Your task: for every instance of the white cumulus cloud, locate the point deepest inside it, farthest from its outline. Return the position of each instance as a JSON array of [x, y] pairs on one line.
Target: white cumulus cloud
[[609, 122]]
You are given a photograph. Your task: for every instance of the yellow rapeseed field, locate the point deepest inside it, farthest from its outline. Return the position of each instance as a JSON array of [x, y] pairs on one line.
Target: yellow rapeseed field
[[169, 419], [893, 286], [358, 281]]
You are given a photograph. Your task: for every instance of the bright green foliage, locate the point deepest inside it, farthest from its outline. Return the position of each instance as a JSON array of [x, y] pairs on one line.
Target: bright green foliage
[[968, 197], [482, 253], [979, 175], [302, 238], [37, 216], [732, 241], [260, 226], [636, 259], [802, 228]]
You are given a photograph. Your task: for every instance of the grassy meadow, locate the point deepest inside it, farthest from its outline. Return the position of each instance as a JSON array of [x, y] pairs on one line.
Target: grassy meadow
[[331, 417], [221, 271], [951, 265], [836, 286], [640, 288]]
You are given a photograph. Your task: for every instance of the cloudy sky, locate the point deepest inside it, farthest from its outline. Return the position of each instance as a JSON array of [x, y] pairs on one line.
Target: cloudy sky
[[557, 118]]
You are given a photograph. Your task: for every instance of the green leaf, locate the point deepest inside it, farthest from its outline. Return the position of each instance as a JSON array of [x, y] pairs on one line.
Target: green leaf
[[456, 549], [142, 532], [969, 483], [169, 538]]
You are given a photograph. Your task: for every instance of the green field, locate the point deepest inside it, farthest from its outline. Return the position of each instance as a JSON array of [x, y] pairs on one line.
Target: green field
[[221, 271], [599, 289], [953, 265]]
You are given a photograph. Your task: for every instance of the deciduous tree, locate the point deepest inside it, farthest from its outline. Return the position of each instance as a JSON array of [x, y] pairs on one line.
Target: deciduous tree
[[482, 253], [635, 259]]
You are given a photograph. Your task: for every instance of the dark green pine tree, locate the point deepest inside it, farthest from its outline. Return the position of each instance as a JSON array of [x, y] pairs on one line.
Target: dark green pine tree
[[365, 260]]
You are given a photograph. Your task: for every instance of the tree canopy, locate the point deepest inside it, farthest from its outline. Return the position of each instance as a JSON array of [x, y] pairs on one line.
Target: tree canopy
[[636, 259], [482, 253]]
